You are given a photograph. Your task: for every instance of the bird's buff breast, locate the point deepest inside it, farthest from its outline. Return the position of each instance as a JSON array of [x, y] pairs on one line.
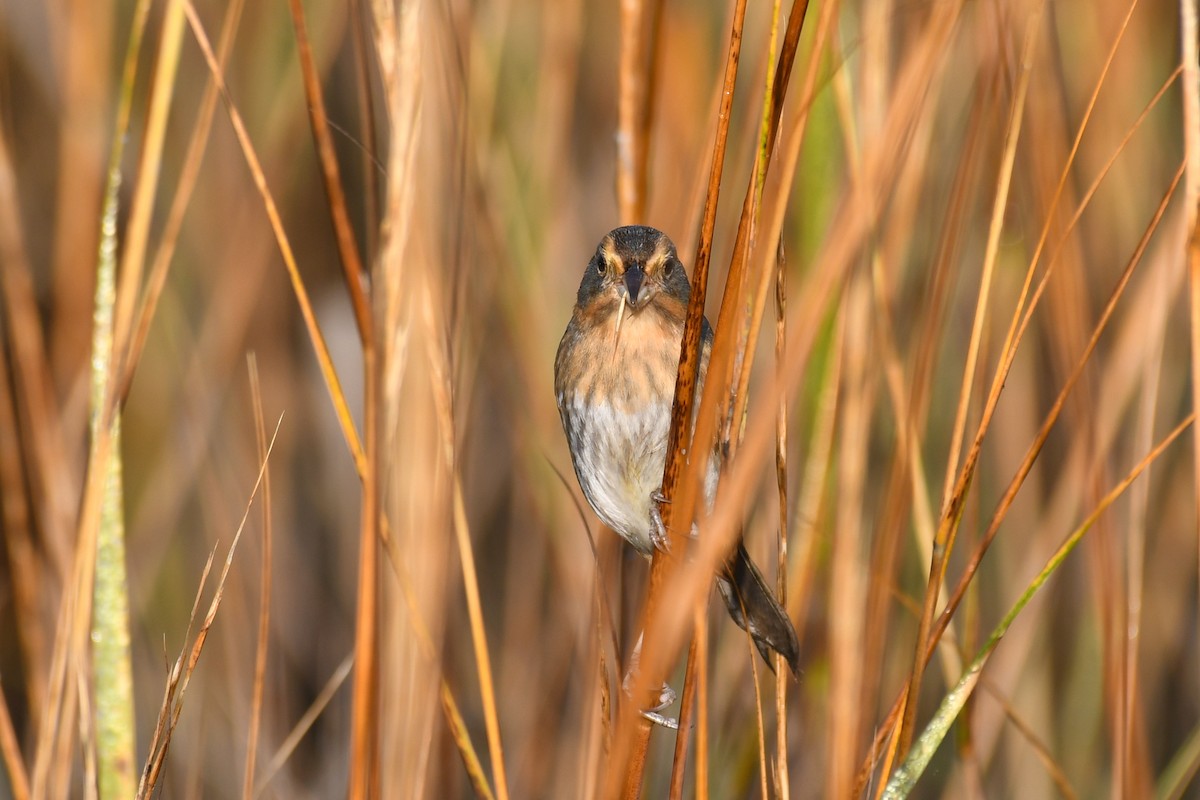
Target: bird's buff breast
[[615, 400]]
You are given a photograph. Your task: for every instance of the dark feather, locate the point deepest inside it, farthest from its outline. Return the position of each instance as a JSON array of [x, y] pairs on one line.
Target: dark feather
[[753, 607]]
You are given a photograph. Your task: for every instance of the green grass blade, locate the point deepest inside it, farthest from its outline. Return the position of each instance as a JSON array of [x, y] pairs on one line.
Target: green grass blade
[[1182, 770], [110, 612], [905, 778]]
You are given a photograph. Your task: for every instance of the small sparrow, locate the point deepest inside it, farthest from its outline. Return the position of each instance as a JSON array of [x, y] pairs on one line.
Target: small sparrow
[[614, 377]]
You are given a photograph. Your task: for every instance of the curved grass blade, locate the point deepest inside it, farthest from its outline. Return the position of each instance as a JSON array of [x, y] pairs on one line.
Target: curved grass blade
[[905, 778]]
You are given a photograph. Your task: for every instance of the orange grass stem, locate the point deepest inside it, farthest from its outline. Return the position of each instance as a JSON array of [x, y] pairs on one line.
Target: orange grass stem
[[640, 28], [631, 186], [1188, 31], [680, 488], [781, 472], [364, 730], [344, 232], [629, 762]]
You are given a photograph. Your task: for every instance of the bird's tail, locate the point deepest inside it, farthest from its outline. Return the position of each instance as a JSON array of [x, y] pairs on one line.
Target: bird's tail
[[753, 607]]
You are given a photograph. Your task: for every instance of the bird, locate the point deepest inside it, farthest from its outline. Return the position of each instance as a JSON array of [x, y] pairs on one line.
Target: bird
[[614, 381]]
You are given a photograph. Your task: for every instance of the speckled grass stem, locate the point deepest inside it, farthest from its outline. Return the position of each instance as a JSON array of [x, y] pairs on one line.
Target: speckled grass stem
[[110, 638], [111, 669]]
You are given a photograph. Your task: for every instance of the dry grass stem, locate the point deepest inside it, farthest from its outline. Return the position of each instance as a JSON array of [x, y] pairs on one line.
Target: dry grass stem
[[305, 723], [264, 597], [180, 675], [988, 309], [629, 756], [347, 246], [285, 249], [947, 529]]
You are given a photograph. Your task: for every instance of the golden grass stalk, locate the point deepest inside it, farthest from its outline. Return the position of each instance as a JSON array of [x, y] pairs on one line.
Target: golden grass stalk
[[149, 164], [361, 458], [847, 568], [760, 739], [264, 596], [944, 539], [1132, 705], [364, 741], [1053, 415], [744, 358], [450, 706], [686, 708], [188, 176], [479, 638], [599, 736], [415, 386], [702, 705], [462, 739]]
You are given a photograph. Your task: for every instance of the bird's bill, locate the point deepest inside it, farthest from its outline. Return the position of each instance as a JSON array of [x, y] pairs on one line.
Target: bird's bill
[[634, 276]]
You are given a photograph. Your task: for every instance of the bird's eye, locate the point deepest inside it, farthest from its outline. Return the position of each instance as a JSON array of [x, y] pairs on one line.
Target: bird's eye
[[669, 268], [602, 266]]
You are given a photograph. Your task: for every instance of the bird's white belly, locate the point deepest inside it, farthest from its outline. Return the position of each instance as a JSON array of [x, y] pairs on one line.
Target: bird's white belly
[[619, 463]]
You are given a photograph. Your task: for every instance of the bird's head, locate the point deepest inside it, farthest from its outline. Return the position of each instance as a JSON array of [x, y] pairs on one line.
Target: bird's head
[[633, 266]]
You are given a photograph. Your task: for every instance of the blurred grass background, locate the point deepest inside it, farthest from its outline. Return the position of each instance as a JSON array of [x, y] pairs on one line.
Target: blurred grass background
[[511, 177]]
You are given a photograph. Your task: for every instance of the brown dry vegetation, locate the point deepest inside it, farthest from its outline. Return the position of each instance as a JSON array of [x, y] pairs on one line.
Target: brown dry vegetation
[[985, 210]]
